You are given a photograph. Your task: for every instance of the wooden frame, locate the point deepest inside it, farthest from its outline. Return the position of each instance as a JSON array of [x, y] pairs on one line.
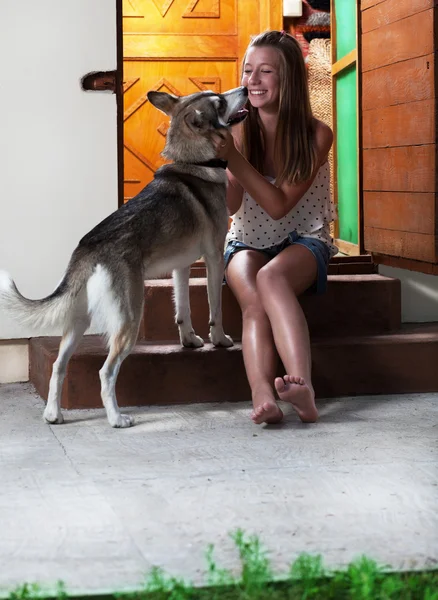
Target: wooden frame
[[119, 100], [360, 220], [344, 62]]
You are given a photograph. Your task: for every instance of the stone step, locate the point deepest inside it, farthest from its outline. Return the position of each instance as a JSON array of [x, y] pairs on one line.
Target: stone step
[[353, 304], [395, 363]]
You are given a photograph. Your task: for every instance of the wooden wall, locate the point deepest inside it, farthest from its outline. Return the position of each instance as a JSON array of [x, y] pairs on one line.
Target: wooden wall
[[399, 128]]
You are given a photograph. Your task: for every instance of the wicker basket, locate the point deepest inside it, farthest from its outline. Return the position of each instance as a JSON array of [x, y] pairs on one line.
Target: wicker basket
[[320, 88]]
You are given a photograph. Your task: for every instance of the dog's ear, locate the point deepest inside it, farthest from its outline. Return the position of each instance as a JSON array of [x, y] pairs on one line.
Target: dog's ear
[[194, 119], [163, 101]]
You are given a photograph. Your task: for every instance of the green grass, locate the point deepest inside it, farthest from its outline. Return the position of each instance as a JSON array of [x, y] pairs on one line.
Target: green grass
[[307, 579]]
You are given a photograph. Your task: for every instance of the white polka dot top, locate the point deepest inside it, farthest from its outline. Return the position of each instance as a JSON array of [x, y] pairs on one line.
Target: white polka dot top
[[309, 218]]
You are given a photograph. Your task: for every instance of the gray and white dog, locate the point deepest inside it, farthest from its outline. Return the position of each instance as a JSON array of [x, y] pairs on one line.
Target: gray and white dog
[[176, 219]]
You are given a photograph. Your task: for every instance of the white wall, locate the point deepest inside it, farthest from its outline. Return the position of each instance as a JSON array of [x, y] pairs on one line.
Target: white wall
[[419, 294], [14, 361], [58, 144]]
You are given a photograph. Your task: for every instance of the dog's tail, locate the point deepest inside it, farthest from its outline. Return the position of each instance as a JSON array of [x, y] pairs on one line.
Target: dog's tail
[[39, 314]]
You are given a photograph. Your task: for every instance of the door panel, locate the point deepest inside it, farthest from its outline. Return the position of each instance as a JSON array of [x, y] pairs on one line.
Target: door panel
[[146, 47], [179, 46], [346, 180], [145, 126], [400, 83], [346, 30], [392, 43], [399, 131], [346, 156], [204, 17]]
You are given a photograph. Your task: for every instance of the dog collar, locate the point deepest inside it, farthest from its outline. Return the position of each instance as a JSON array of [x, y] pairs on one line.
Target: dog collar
[[215, 163]]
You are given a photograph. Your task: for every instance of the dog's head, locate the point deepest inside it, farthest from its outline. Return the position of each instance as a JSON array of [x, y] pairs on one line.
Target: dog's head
[[195, 118]]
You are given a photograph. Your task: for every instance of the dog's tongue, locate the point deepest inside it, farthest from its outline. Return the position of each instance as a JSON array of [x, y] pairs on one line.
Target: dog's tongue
[[238, 116]]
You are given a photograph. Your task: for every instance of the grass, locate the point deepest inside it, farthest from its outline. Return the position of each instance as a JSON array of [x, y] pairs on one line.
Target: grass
[[307, 579]]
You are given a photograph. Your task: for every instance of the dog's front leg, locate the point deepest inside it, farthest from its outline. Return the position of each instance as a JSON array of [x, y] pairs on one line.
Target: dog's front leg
[[183, 318], [215, 275]]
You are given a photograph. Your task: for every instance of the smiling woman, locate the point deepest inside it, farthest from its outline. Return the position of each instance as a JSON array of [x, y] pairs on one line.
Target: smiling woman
[[279, 243], [275, 74]]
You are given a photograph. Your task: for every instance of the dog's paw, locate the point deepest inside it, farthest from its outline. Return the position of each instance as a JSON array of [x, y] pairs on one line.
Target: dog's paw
[[219, 338], [122, 421], [191, 340], [54, 417]]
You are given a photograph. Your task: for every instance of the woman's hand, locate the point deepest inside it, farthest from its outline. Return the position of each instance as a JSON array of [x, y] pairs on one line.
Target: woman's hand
[[224, 144]]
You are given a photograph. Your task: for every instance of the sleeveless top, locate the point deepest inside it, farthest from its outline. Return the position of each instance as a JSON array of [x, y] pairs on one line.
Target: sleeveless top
[[310, 217]]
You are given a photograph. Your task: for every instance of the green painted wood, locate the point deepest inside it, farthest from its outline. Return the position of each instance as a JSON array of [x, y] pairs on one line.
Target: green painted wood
[[347, 167], [346, 24]]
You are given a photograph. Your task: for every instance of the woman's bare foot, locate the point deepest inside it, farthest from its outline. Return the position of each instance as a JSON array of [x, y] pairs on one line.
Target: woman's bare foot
[[302, 397], [266, 412]]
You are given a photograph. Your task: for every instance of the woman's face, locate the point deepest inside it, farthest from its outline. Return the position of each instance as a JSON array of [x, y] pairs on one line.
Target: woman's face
[[261, 75]]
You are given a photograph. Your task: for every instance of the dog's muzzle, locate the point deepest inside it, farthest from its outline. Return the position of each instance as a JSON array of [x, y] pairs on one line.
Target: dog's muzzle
[[237, 117]]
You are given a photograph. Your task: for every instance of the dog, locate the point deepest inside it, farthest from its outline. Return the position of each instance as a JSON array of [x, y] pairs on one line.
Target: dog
[[176, 219]]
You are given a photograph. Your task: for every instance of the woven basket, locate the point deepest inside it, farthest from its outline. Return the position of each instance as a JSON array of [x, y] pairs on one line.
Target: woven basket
[[320, 88]]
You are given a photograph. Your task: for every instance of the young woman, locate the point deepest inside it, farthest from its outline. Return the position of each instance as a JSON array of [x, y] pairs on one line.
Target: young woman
[[279, 242]]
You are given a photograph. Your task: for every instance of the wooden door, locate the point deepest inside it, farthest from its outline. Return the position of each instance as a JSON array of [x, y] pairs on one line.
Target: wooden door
[[346, 157], [399, 132], [179, 46]]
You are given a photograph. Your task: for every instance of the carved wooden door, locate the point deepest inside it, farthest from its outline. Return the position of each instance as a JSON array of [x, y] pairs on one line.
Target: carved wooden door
[[179, 46]]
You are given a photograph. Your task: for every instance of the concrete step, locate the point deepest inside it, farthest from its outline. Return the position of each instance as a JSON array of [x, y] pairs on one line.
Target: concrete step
[[353, 304], [394, 363]]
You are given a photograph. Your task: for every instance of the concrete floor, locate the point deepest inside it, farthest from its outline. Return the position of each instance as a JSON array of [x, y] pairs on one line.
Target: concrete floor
[[97, 507]]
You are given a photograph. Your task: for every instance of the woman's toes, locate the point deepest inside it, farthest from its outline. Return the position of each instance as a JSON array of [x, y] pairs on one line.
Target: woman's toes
[[268, 412], [280, 384]]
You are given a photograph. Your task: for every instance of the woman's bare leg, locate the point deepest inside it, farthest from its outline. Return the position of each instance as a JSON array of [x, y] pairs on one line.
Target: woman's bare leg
[[279, 284], [259, 353]]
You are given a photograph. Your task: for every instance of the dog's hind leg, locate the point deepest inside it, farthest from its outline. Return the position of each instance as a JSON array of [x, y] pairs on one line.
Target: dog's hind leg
[[121, 340], [72, 335], [120, 346], [215, 274], [183, 318]]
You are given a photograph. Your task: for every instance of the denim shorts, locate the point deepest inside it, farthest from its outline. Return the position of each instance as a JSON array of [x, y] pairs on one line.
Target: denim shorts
[[318, 248]]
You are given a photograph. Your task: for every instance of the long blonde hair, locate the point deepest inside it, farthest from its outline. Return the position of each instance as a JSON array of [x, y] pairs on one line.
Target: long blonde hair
[[294, 149]]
